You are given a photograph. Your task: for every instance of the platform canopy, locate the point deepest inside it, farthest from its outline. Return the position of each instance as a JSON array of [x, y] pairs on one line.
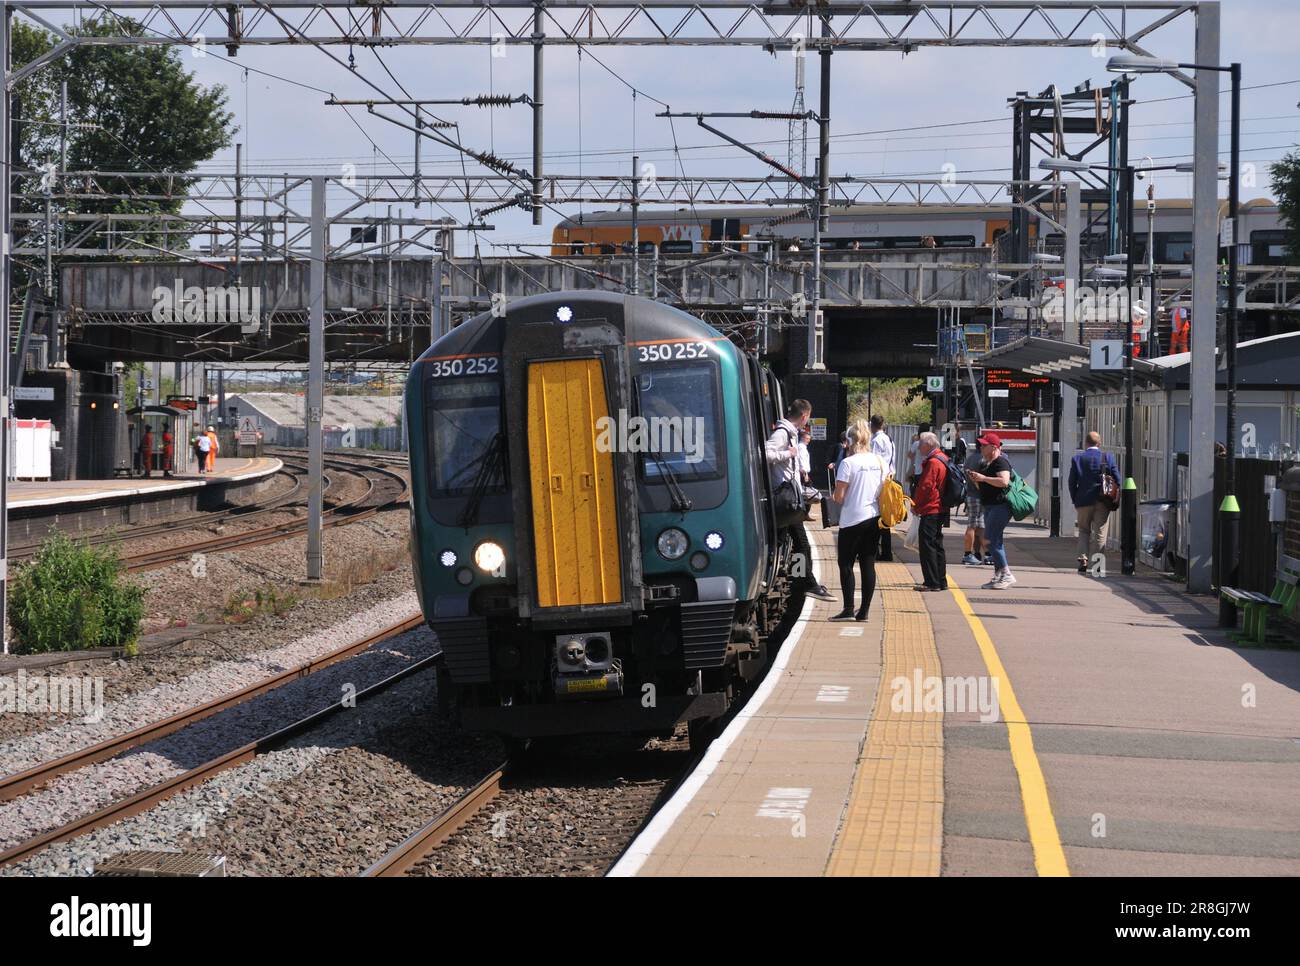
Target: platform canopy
[[1067, 362], [1271, 362]]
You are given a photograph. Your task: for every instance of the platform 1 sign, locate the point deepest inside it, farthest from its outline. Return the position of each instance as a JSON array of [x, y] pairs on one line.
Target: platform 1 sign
[[1107, 354], [934, 383], [33, 393]]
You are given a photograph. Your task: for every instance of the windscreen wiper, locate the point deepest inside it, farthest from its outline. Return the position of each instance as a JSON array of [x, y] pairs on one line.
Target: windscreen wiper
[[488, 464], [681, 502]]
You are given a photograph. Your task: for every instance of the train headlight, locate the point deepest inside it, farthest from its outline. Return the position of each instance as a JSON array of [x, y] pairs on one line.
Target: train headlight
[[447, 558], [673, 544], [464, 576], [699, 560], [489, 556], [713, 540]]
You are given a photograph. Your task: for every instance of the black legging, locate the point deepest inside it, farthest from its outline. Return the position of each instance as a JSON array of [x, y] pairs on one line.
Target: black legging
[[859, 543]]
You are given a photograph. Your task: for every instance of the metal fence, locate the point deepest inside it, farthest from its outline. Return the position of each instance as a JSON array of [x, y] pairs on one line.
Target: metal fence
[[1257, 543], [388, 438]]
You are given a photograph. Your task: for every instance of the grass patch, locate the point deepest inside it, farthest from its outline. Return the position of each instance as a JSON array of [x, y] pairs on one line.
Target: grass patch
[[244, 605], [357, 571]]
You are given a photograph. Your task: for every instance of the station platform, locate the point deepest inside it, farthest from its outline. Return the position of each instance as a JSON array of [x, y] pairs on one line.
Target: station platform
[[75, 506], [1070, 725], [42, 493]]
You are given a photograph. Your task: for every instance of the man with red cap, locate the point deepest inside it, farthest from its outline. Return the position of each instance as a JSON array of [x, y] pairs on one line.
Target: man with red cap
[[994, 479]]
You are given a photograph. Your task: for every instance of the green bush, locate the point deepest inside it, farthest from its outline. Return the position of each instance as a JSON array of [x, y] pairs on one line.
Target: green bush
[[73, 596]]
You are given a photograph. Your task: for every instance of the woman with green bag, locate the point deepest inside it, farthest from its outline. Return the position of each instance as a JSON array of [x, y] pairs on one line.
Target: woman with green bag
[[994, 479]]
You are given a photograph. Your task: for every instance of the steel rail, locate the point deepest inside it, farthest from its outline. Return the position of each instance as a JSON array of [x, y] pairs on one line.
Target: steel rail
[[411, 850]]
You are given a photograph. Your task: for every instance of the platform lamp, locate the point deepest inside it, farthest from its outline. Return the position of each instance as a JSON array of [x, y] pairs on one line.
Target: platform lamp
[[1229, 510], [1128, 488]]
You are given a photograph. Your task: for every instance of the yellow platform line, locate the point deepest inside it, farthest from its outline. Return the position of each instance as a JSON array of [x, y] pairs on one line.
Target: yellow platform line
[[893, 824], [1049, 857]]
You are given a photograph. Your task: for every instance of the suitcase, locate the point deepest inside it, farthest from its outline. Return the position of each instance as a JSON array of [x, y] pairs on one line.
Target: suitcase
[[830, 509]]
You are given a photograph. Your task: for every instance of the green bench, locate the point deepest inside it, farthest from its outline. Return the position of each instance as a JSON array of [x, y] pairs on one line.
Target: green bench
[[1256, 608]]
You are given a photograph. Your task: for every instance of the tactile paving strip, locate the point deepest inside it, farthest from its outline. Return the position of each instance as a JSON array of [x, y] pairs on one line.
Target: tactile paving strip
[[893, 824]]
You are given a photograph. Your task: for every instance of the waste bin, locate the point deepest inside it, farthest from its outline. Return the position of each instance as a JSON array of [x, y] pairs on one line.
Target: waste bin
[[1156, 543]]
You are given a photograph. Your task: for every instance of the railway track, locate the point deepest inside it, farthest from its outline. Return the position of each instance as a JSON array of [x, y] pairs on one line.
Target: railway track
[[14, 785], [591, 845], [386, 488], [413, 849], [281, 501], [394, 492]]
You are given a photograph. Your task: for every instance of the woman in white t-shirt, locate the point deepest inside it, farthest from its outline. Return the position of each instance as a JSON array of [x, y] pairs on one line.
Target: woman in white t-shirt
[[857, 489]]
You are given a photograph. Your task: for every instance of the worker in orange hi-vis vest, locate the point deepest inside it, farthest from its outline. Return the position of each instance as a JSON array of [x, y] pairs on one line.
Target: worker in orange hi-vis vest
[[211, 434], [1181, 335], [1138, 328]]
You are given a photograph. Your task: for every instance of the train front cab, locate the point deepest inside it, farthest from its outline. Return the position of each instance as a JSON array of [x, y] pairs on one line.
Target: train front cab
[[586, 625]]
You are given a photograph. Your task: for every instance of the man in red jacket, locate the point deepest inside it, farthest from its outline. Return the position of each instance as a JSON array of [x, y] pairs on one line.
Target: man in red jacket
[[928, 505]]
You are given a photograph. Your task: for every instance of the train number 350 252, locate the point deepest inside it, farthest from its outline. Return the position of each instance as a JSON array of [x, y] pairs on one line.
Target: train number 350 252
[[668, 351], [468, 366]]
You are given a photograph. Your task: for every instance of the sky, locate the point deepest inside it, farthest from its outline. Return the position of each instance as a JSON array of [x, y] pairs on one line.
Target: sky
[[891, 114]]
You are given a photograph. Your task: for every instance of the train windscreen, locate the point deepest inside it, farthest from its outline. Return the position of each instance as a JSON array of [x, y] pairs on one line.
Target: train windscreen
[[464, 417], [681, 420]]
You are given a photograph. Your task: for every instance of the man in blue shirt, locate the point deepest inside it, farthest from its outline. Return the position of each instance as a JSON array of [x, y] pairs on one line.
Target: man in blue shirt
[[1086, 471]]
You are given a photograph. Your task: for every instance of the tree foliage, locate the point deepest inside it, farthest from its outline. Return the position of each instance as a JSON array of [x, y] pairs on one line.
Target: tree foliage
[[900, 401], [1286, 186], [130, 108], [73, 596]]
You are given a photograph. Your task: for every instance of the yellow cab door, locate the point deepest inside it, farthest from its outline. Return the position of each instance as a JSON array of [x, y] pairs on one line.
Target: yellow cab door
[[575, 525]]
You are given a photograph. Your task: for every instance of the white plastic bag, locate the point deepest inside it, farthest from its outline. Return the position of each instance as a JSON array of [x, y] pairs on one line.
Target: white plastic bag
[[913, 539]]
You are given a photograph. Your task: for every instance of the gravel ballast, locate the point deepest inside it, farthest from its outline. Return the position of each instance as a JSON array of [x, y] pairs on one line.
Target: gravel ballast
[[332, 802], [79, 793]]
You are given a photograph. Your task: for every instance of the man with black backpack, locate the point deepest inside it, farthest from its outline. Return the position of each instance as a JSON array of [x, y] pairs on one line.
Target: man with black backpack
[[1094, 491], [940, 487], [788, 499]]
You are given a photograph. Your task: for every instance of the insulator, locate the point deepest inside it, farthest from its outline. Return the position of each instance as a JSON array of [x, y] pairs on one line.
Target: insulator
[[489, 160], [490, 100]]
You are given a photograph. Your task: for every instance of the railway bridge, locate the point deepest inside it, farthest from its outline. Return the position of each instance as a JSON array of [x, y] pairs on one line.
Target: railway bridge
[[881, 310]]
